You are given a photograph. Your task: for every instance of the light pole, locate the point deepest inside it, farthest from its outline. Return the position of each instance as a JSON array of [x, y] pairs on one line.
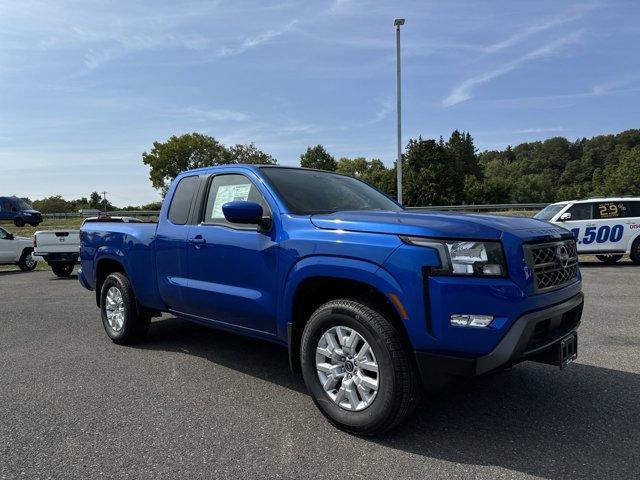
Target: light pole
[[104, 201], [398, 22]]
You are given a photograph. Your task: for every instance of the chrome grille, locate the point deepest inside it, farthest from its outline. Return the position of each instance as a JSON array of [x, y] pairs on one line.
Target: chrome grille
[[553, 263]]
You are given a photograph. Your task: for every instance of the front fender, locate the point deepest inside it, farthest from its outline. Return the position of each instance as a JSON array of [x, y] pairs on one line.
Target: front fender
[[339, 267]]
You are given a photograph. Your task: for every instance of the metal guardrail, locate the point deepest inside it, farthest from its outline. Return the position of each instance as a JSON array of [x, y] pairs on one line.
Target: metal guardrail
[[115, 213], [497, 207]]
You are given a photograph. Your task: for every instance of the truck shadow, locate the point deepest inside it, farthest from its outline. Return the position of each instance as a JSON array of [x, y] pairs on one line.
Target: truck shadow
[[620, 264], [581, 423]]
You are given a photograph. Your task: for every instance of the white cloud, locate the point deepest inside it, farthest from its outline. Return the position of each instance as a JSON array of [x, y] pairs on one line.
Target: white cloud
[[254, 41], [463, 91], [204, 114], [521, 131], [532, 30]]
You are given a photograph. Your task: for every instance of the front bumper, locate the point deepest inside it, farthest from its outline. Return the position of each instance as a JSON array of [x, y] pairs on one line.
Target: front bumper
[[531, 337]]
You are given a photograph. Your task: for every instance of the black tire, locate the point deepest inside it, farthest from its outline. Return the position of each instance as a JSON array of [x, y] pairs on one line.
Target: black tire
[[398, 382], [136, 320], [18, 222], [26, 262], [609, 259], [34, 224], [635, 251], [62, 270]]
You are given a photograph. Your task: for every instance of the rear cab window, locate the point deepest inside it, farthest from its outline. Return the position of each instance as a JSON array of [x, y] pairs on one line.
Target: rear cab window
[[182, 198]]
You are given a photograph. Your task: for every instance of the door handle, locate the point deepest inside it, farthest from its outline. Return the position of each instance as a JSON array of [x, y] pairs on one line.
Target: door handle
[[197, 240]]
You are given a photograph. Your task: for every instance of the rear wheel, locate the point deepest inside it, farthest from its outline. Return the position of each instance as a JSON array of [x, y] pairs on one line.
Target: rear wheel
[[609, 259], [18, 222], [357, 368], [635, 251], [122, 318], [62, 270], [27, 262]]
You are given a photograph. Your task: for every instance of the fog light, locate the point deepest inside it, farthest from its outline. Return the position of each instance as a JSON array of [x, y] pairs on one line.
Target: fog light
[[460, 320]]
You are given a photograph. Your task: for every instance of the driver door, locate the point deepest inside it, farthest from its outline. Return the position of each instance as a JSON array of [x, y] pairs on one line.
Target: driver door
[[232, 268]]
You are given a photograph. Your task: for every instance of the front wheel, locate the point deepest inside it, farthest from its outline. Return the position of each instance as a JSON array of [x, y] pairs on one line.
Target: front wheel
[[62, 270], [609, 259], [635, 251], [122, 319], [357, 368], [18, 222], [27, 263]]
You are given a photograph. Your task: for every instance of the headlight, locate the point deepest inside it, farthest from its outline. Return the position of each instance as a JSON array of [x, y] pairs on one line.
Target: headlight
[[465, 257]]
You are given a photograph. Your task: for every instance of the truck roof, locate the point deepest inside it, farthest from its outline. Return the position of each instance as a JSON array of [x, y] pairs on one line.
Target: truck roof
[[252, 166]]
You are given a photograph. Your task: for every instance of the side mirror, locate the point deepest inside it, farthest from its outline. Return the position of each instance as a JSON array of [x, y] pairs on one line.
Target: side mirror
[[10, 236], [248, 213], [564, 217]]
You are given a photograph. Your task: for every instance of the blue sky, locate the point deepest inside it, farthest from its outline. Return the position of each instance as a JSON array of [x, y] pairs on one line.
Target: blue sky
[[86, 86]]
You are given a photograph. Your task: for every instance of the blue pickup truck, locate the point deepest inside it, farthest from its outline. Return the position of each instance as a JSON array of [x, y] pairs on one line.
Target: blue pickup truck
[[374, 302]]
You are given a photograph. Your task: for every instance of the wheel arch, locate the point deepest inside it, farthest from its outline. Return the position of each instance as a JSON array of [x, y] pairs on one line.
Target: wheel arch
[[105, 266], [317, 280], [635, 238]]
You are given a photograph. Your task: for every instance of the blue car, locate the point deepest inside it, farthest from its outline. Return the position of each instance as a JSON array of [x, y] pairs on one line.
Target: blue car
[[373, 302], [19, 211]]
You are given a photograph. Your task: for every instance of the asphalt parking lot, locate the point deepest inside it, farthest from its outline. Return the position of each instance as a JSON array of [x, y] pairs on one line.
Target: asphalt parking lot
[[191, 402]]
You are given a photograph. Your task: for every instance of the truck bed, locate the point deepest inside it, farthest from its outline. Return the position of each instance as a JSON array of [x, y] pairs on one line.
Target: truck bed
[[130, 244]]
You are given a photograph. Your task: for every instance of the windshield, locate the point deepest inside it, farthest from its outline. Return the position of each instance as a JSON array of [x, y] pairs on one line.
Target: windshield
[[311, 191], [548, 212], [24, 205]]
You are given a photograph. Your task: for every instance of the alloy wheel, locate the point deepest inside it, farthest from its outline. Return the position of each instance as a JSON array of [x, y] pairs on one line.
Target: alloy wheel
[[347, 368], [115, 309]]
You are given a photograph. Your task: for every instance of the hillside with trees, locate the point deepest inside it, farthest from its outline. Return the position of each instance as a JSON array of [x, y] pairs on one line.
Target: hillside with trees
[[452, 172]]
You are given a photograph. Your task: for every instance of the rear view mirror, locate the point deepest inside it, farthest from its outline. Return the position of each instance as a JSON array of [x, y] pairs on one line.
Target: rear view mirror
[[565, 216], [10, 236]]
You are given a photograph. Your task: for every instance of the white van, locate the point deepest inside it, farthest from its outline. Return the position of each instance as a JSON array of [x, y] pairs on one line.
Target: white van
[[605, 227]]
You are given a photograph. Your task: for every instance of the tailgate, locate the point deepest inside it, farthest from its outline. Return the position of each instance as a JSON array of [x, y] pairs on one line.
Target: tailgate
[[57, 241]]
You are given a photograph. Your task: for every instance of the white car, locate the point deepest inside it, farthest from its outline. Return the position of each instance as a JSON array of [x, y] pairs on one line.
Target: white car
[[16, 251], [605, 227]]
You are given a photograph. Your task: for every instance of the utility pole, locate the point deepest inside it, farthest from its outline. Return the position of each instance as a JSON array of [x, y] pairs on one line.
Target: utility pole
[[398, 22], [104, 201]]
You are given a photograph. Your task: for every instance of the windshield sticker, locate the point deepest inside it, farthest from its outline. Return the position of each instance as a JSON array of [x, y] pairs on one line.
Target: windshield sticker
[[229, 193]]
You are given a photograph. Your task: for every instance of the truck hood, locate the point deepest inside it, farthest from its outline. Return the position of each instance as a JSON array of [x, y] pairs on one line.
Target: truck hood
[[438, 224]]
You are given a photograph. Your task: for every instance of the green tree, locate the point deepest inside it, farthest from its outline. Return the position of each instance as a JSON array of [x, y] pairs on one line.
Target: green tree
[[193, 150], [624, 178], [431, 178], [53, 204], [249, 154], [355, 167], [318, 157], [463, 151]]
